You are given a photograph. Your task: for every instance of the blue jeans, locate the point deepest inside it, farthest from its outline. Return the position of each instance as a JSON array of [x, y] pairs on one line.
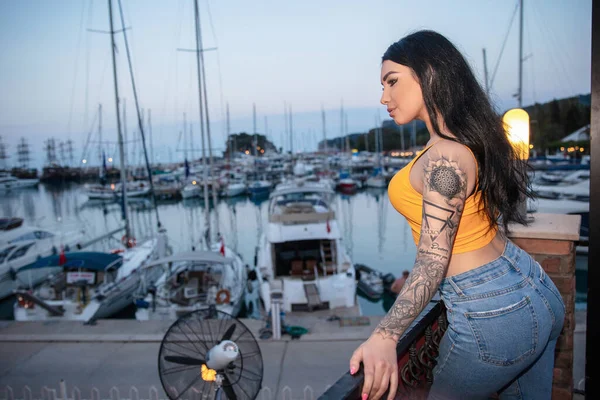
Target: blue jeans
[[503, 322]]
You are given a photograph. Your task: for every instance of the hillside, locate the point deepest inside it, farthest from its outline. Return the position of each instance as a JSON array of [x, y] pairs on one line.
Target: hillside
[[550, 122]]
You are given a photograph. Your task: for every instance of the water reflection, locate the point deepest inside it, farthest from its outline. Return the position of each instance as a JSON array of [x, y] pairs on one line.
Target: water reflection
[[373, 232]]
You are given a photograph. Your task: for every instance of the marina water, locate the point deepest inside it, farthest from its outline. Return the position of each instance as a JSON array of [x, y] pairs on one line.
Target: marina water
[[374, 233]]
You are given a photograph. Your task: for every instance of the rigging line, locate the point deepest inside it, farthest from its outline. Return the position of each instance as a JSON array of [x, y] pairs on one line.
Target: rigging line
[[76, 69], [87, 66], [87, 142], [140, 124], [212, 27], [176, 85], [531, 58], [131, 33], [177, 30], [106, 64], [550, 33], [565, 47], [548, 52], [512, 19]]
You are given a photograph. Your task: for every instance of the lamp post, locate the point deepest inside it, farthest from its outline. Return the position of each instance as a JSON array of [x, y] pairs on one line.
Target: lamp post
[[516, 122]]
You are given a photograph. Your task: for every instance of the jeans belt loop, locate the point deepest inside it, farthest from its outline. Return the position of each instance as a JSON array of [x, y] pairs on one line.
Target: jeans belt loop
[[455, 286]]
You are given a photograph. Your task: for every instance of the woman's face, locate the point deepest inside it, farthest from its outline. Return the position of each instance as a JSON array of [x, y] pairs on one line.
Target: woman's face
[[402, 93]]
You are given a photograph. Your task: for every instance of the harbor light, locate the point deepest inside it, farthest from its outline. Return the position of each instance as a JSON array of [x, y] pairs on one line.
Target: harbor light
[[84, 161], [517, 126], [110, 159]]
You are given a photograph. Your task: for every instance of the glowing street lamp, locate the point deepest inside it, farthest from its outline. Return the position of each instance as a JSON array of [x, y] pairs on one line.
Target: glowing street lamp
[[516, 122], [84, 161], [517, 125]]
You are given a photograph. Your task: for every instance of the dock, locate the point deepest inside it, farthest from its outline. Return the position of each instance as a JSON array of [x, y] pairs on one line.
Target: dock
[[122, 354]]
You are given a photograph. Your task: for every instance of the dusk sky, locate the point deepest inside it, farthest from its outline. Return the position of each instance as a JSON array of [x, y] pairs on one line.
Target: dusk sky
[[308, 53]]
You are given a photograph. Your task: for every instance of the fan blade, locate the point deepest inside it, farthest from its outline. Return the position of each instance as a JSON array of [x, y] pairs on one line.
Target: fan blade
[[229, 333], [227, 388], [184, 360]]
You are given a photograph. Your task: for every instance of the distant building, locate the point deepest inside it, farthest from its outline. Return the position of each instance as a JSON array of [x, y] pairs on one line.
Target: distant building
[[581, 134]]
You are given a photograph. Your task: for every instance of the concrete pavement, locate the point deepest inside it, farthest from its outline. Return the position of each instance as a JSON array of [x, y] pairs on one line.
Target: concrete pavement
[[123, 354]]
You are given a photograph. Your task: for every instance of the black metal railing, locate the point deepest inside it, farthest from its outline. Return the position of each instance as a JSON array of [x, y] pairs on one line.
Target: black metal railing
[[417, 351]]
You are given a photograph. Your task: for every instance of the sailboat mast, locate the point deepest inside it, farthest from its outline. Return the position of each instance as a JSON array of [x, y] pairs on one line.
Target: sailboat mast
[[214, 184], [520, 94], [125, 134], [254, 140], [231, 146], [200, 102], [185, 138], [291, 133], [137, 108], [150, 138], [324, 129], [119, 133], [485, 74], [100, 134]]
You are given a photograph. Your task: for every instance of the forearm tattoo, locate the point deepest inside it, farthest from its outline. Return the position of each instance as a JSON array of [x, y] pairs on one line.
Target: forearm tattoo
[[444, 194]]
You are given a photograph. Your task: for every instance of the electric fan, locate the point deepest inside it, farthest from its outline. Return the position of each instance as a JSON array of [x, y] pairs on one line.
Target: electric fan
[[209, 352]]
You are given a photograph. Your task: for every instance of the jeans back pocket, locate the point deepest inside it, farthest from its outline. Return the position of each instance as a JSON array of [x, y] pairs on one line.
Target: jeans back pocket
[[506, 335]]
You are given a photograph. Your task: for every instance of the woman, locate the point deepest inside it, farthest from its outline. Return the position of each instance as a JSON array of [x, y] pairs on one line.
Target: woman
[[458, 195]]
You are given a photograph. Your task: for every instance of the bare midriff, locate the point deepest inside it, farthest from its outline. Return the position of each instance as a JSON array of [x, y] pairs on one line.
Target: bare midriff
[[463, 262]]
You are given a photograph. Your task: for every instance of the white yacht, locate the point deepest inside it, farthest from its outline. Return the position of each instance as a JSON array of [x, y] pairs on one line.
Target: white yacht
[[98, 191], [300, 255], [23, 246], [192, 280], [8, 182]]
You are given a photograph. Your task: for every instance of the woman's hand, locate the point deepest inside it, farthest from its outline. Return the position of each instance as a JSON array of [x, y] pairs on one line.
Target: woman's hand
[[378, 355]]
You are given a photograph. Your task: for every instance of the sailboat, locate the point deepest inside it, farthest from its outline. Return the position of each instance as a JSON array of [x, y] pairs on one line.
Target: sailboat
[[377, 179], [214, 277], [257, 188], [100, 191], [90, 286], [235, 182]]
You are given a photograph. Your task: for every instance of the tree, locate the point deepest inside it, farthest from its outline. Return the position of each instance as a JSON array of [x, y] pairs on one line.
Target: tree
[[572, 120], [555, 112], [243, 142]]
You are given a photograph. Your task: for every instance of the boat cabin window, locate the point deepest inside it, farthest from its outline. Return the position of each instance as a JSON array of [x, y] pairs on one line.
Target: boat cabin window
[[300, 202], [5, 252], [299, 258], [35, 235], [20, 252], [196, 282]]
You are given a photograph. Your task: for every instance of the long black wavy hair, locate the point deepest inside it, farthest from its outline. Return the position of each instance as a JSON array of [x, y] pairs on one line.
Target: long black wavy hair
[[451, 91]]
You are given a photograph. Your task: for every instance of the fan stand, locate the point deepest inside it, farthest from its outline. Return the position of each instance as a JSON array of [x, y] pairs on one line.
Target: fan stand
[[219, 390]]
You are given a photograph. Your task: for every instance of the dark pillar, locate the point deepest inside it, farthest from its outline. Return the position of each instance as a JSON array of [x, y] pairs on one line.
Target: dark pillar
[[592, 384]]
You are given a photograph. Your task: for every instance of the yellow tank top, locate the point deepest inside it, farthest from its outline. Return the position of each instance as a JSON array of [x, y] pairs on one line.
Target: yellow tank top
[[473, 229]]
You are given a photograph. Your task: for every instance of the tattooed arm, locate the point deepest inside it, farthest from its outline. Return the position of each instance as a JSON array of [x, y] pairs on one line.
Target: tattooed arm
[[445, 188]]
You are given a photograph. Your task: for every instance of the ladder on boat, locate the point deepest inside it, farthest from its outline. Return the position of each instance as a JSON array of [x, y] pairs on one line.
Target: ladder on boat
[[312, 295], [327, 255]]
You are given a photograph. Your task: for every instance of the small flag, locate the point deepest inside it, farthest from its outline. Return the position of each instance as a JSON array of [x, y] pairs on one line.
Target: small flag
[[328, 227], [222, 250], [62, 258]]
